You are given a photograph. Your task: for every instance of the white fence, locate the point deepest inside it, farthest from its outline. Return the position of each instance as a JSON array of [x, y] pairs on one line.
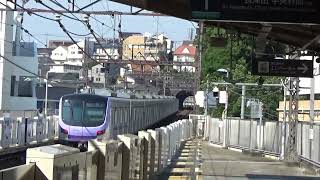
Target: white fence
[[25, 131], [267, 137]]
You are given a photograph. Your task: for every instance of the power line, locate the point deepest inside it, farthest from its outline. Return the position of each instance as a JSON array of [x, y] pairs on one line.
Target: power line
[[67, 33], [30, 12], [43, 4], [76, 34], [101, 13], [26, 31], [17, 65], [88, 14]]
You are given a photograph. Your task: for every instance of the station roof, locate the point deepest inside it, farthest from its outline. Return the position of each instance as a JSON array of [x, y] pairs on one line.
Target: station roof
[[292, 34]]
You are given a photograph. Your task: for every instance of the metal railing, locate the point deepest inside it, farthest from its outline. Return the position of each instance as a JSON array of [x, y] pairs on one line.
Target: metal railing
[[266, 138]]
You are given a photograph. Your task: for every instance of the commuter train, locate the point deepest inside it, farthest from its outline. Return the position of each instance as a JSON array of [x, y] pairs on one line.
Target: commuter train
[[83, 117]]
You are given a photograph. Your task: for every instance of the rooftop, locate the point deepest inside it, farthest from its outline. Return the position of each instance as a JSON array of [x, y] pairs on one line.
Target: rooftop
[[186, 50]]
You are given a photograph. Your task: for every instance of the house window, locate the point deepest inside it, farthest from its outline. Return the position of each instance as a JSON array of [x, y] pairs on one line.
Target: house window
[[97, 70], [72, 52], [102, 70], [13, 83], [25, 87], [98, 79]]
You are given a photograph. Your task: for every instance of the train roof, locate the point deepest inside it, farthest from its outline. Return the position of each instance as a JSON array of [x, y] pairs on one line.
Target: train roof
[[124, 94]]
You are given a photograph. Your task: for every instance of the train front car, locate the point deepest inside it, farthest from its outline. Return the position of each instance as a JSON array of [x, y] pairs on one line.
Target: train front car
[[83, 117]]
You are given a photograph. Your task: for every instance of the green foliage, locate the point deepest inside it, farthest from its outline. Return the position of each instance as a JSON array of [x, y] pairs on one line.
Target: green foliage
[[242, 48]]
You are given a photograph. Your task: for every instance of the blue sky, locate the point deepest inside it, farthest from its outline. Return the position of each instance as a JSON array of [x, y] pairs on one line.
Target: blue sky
[[174, 28]]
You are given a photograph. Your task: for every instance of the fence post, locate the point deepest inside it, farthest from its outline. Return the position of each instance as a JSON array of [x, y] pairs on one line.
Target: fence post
[[250, 136], [239, 122], [224, 132]]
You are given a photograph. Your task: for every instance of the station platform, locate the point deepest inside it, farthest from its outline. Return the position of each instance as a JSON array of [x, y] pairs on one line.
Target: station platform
[[199, 160]]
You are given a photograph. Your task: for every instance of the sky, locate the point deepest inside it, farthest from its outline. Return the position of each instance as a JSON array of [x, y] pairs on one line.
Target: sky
[[174, 28]]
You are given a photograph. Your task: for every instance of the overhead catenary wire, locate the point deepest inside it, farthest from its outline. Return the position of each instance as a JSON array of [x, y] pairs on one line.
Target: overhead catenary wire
[[61, 6], [60, 25], [99, 43], [65, 30], [26, 31], [81, 35], [72, 39], [93, 33], [52, 9], [20, 67], [26, 10]]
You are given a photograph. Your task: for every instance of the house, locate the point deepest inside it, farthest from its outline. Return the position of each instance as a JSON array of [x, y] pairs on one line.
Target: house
[[75, 54], [56, 43], [64, 68], [59, 55], [70, 59], [133, 49], [146, 48], [18, 70], [43, 60], [105, 72], [185, 53], [304, 110]]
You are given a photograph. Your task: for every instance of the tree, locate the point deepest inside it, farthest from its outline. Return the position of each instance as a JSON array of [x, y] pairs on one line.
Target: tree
[[237, 56]]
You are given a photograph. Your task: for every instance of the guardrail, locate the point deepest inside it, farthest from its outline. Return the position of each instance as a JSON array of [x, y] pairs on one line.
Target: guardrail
[[266, 137], [140, 157]]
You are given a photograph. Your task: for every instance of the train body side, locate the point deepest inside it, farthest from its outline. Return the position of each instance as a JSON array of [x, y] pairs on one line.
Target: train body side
[[132, 115]]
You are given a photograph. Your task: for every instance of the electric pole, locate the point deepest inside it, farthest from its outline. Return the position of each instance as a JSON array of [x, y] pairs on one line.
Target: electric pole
[[85, 61]]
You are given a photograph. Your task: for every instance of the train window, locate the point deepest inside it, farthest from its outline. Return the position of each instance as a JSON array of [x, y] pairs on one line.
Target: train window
[[83, 111], [94, 113], [67, 112], [72, 112]]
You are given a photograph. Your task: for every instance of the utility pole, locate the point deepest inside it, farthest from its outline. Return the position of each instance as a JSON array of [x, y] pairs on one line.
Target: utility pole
[[198, 60], [311, 130], [260, 125], [164, 83], [284, 122], [291, 154], [46, 96], [86, 60], [206, 100]]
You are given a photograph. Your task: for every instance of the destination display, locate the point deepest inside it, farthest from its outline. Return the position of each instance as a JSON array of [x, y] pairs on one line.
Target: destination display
[[288, 11]]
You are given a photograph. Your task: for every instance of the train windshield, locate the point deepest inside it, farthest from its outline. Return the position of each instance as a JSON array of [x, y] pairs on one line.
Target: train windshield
[[88, 111]]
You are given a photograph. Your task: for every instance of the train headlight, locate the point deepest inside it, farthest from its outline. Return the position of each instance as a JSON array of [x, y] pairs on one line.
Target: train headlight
[[100, 132], [64, 131]]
